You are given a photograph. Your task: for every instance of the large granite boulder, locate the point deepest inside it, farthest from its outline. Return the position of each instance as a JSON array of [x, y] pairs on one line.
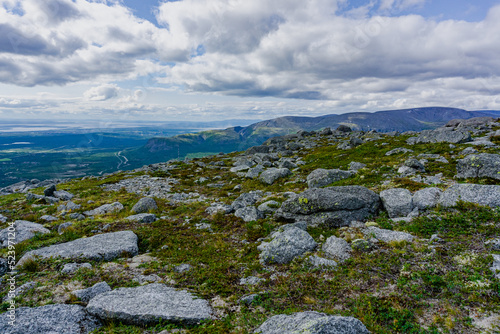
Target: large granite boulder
[[440, 136], [333, 206], [397, 202], [249, 213], [49, 319], [150, 305], [23, 230], [426, 198], [286, 245], [488, 195], [247, 199], [270, 175], [144, 205], [323, 177], [479, 165], [101, 247], [311, 323]]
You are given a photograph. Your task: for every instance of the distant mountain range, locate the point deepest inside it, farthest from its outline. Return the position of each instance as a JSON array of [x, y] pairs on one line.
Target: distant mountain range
[[242, 137]]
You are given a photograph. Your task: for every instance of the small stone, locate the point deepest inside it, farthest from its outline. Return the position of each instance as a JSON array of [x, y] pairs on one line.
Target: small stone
[[252, 280], [71, 268], [64, 227], [142, 218], [337, 249], [86, 295], [182, 268], [361, 245], [144, 205]]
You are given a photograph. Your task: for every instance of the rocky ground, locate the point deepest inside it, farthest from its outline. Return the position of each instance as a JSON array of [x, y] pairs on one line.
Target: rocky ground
[[322, 232]]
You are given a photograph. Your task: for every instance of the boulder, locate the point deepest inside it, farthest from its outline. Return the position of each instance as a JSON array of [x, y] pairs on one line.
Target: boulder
[[321, 263], [397, 202], [23, 230], [70, 268], [398, 150], [246, 199], [49, 319], [479, 165], [426, 198], [63, 227], [249, 213], [415, 164], [145, 204], [85, 295], [143, 218], [344, 128], [268, 207], [49, 218], [311, 323], [150, 305], [215, 208], [323, 177], [49, 191], [440, 136], [270, 175], [184, 267], [332, 206], [70, 206], [387, 235], [337, 248], [355, 166], [63, 195], [254, 172], [487, 195], [104, 209], [287, 245], [101, 247]]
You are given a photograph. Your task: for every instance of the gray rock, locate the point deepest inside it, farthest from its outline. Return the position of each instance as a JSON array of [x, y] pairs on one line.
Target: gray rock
[[4, 266], [104, 209], [143, 218], [344, 128], [287, 163], [101, 247], [51, 200], [361, 245], [254, 172], [332, 206], [76, 216], [145, 204], [387, 235], [337, 249], [268, 207], [63, 195], [70, 268], [3, 219], [85, 295], [49, 319], [251, 280], [20, 291], [215, 208], [355, 166], [49, 218], [495, 267], [270, 175], [494, 244], [479, 165], [469, 150], [70, 206], [249, 299], [287, 245], [247, 199], [397, 202], [488, 195], [34, 197], [323, 177], [321, 263], [440, 136], [63, 227], [398, 150], [181, 268], [49, 191], [415, 164], [149, 305], [24, 230], [426, 198], [311, 323], [249, 213]]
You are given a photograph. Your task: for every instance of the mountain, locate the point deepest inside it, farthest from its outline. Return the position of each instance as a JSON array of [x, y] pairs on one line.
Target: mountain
[[240, 138]]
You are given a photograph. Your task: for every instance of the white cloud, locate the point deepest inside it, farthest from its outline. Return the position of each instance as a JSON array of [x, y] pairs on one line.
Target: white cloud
[[102, 93]]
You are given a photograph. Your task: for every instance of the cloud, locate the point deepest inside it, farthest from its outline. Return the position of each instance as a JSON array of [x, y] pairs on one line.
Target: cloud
[[102, 93]]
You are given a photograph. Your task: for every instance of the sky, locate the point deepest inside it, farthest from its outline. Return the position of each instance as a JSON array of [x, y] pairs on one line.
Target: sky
[[209, 60]]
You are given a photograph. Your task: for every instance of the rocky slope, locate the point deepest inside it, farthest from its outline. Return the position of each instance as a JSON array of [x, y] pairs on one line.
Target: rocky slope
[[315, 232]]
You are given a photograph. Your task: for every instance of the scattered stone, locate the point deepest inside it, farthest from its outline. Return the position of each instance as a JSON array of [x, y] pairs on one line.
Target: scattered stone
[[494, 244], [145, 204], [252, 280], [387, 235], [49, 319], [182, 268], [70, 268], [268, 207], [4, 267], [76, 216], [101, 247], [398, 150], [254, 172], [63, 195], [49, 218], [215, 208], [440, 136], [23, 230], [70, 206], [337, 249], [104, 209], [3, 219], [270, 175], [415, 164], [64, 227], [495, 267], [469, 150], [20, 291], [249, 214], [203, 226], [249, 299], [247, 199], [286, 245], [355, 166], [49, 191], [150, 305], [488, 195], [86, 295], [397, 202], [332, 206], [479, 165], [323, 177], [344, 128], [142, 218], [361, 245], [426, 198], [321, 263], [311, 323]]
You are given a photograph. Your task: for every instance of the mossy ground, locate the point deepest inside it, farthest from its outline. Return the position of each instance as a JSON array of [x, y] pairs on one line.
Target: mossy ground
[[418, 287]]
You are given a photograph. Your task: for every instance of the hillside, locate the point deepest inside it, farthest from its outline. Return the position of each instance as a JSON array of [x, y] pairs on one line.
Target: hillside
[[241, 138], [321, 231]]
